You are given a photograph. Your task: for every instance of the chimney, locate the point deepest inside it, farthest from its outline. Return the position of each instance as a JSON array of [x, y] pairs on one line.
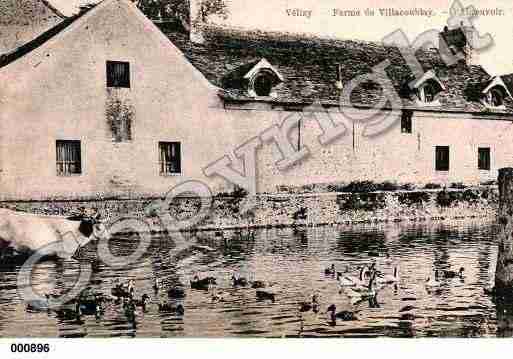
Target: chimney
[[196, 33], [471, 55], [459, 41]]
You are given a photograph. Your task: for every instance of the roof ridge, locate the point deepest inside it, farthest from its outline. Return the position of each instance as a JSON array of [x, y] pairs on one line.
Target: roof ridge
[[245, 33]]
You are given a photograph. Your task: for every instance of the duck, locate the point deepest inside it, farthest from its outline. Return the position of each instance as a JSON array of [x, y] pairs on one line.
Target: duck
[[364, 292], [308, 306], [142, 302], [130, 309], [167, 307], [263, 295], [176, 292], [344, 315], [123, 290], [330, 271], [217, 296], [239, 282], [452, 274], [90, 307], [433, 281], [388, 278], [69, 311], [257, 284], [352, 281], [202, 284], [368, 272]]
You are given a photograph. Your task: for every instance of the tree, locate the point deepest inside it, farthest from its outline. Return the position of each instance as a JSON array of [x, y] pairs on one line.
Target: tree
[[180, 10]]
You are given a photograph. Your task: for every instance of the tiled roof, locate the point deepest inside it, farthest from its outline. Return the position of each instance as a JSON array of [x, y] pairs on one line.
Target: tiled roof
[[310, 66]]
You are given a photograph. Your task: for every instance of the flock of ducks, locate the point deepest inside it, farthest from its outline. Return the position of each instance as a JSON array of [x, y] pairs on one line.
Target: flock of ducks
[[359, 287], [123, 297], [365, 285]]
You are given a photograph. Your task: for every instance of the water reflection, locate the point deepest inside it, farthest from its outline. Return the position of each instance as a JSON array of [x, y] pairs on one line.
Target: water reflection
[[291, 262]]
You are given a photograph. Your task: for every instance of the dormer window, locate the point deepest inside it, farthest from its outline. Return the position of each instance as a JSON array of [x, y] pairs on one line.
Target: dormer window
[[428, 92], [427, 89], [257, 79], [495, 93], [495, 98], [263, 84]]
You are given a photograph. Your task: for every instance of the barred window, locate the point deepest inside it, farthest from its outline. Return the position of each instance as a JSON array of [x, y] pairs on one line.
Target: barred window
[[68, 158], [118, 74], [483, 158], [170, 160]]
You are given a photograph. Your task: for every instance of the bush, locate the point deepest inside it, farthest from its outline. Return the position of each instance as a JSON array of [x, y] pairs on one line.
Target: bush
[[407, 187], [361, 201], [432, 186], [458, 185], [413, 198], [387, 186], [444, 198], [470, 196], [360, 187]]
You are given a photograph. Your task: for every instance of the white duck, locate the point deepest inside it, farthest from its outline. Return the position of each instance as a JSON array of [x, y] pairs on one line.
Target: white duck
[[389, 278], [353, 281], [363, 292]]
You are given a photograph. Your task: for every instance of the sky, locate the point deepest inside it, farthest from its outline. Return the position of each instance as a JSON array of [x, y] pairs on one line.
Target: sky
[[272, 15], [69, 7]]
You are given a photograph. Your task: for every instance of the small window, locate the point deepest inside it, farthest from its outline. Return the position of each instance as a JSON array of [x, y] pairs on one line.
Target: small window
[[494, 97], [483, 158], [428, 92], [68, 158], [263, 85], [442, 158], [118, 74], [170, 160], [406, 121]]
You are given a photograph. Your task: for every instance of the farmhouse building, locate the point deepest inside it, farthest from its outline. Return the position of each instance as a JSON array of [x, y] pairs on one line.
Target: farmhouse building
[[106, 104]]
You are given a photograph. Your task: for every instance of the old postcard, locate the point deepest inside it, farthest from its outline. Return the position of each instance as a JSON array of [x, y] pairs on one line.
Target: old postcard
[[240, 168]]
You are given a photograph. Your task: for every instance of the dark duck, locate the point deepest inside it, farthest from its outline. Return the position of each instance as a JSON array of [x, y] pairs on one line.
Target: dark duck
[[130, 309], [330, 271], [122, 290], [239, 282], [263, 295], [344, 315], [171, 308], [257, 284], [310, 306], [90, 302], [202, 284]]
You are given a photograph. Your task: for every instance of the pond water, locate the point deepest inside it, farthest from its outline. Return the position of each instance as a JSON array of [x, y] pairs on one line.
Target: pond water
[[292, 263]]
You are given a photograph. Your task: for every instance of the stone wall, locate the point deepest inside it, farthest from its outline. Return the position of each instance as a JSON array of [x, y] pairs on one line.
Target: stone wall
[[297, 209]]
